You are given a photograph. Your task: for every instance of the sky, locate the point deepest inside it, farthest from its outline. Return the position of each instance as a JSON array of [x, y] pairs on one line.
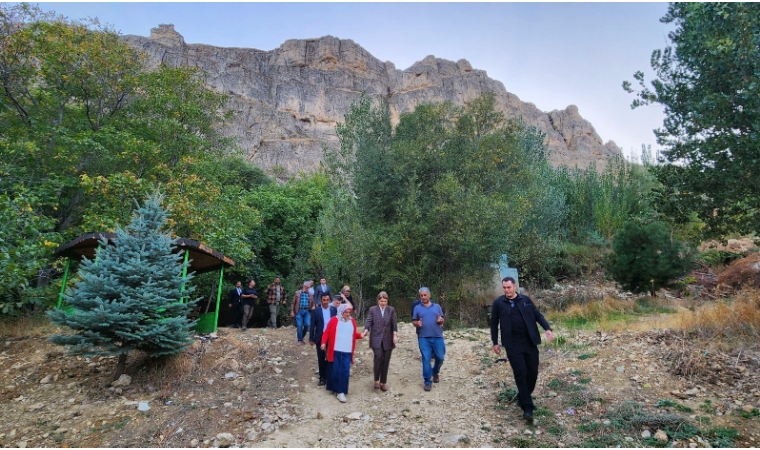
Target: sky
[[549, 54]]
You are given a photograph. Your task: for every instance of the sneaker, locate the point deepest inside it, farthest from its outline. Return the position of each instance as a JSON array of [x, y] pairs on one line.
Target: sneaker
[[427, 387], [321, 382], [436, 379], [243, 328], [342, 397], [528, 416], [300, 342]]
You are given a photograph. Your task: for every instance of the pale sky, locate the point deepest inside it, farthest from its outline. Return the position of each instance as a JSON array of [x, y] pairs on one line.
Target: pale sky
[[550, 54]]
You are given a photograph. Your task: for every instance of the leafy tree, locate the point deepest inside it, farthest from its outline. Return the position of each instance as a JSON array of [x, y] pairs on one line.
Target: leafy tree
[[128, 297], [26, 244], [438, 198], [645, 258], [709, 84]]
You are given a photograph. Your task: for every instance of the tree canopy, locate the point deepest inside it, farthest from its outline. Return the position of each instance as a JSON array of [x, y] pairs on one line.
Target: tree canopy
[[708, 82]]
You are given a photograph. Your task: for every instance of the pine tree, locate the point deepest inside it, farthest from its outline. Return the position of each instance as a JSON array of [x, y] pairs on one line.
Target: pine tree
[[128, 298], [645, 258]]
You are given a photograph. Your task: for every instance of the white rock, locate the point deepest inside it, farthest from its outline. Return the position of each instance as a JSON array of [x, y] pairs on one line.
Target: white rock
[[251, 435], [46, 380], [356, 415], [124, 380], [194, 443], [143, 406], [224, 440], [646, 434], [230, 375]]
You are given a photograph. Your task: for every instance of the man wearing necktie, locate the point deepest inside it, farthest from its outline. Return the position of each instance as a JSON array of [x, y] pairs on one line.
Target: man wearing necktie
[[517, 316]]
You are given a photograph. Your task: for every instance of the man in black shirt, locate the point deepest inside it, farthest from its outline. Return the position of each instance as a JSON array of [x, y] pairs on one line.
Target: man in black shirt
[[517, 316], [236, 304], [248, 297]]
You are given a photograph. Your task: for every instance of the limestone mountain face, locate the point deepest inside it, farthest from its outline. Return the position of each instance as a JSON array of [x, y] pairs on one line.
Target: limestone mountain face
[[287, 101]]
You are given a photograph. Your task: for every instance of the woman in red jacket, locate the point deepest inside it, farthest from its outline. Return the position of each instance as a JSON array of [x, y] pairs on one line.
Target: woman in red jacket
[[339, 340]]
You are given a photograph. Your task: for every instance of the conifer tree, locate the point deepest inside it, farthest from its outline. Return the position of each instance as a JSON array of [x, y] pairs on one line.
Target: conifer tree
[[128, 297]]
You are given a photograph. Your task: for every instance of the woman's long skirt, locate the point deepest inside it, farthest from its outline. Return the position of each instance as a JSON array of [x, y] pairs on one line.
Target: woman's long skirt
[[338, 372]]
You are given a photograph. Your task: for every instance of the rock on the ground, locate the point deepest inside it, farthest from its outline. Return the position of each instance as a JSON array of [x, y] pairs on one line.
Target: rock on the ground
[[224, 440], [124, 380], [646, 434], [356, 415], [457, 440], [661, 436]]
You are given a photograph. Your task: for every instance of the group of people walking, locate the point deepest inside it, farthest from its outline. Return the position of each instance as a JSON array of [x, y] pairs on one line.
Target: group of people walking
[[327, 321]]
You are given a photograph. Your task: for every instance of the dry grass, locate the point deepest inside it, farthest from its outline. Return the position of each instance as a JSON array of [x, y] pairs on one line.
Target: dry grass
[[612, 313], [37, 325], [733, 320]]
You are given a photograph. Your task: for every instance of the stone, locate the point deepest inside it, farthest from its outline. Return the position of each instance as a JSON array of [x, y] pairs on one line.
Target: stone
[[748, 408], [288, 100], [224, 440], [356, 415], [661, 436], [143, 406], [457, 440], [46, 380], [692, 445], [251, 435], [620, 368], [194, 443], [124, 380], [693, 391], [646, 434], [230, 375]]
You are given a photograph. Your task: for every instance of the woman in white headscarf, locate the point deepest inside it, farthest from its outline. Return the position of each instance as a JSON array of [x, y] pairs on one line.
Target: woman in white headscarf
[[339, 341]]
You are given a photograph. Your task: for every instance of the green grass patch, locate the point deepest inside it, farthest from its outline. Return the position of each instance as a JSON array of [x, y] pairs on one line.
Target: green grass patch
[[556, 384], [749, 414], [584, 356], [667, 403], [576, 373], [589, 427], [584, 380], [555, 430], [508, 396], [523, 442], [542, 412], [722, 437]]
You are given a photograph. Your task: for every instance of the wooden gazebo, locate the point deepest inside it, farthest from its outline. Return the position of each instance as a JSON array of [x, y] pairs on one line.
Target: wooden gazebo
[[201, 259]]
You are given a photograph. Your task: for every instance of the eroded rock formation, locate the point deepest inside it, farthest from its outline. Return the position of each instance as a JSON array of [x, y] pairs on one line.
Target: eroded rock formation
[[287, 101]]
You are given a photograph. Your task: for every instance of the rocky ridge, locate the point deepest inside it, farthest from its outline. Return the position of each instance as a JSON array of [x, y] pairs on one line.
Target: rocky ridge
[[287, 101]]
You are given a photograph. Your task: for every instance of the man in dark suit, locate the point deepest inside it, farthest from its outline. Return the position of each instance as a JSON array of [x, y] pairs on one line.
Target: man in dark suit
[[236, 305], [319, 318], [517, 316]]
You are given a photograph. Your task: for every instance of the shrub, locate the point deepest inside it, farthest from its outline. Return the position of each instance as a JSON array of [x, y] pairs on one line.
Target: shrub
[[645, 258]]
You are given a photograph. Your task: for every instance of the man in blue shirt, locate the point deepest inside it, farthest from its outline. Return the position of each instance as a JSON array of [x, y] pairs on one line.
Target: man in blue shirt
[[303, 303], [428, 318]]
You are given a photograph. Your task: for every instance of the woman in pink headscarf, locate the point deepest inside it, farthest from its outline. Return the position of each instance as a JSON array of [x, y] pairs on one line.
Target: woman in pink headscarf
[[339, 340]]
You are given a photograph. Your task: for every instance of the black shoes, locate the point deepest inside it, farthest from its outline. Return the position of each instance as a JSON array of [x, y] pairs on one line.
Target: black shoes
[[321, 382], [427, 387], [528, 416], [436, 379]]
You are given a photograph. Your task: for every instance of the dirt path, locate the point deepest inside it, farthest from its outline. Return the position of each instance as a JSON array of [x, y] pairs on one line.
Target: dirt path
[[259, 389]]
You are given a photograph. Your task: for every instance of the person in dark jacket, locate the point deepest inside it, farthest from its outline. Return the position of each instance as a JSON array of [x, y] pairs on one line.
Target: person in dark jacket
[[236, 304], [517, 316], [320, 317]]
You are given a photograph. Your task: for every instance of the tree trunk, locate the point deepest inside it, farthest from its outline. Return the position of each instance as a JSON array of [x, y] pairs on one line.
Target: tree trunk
[[121, 366]]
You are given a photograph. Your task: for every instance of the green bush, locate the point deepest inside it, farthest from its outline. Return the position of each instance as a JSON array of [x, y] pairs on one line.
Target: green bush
[[644, 258]]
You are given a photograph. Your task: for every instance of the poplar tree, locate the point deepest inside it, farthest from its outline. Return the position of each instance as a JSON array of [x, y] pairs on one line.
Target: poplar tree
[[128, 297]]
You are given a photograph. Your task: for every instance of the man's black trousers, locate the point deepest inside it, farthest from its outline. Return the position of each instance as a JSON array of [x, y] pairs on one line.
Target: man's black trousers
[[321, 361], [523, 357]]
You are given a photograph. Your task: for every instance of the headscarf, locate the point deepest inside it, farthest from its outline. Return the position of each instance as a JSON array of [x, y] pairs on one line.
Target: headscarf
[[341, 309]]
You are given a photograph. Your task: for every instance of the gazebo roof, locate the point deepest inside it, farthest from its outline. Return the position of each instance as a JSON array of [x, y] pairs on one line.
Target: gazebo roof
[[202, 258]]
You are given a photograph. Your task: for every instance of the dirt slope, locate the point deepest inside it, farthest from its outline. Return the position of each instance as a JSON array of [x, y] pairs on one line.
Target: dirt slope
[[260, 388]]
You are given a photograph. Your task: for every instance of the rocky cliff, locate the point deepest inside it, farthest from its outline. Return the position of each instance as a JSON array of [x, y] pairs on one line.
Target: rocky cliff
[[287, 101]]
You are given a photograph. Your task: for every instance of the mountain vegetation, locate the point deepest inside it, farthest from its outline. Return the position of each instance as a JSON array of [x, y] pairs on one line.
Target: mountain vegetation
[[88, 128]]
